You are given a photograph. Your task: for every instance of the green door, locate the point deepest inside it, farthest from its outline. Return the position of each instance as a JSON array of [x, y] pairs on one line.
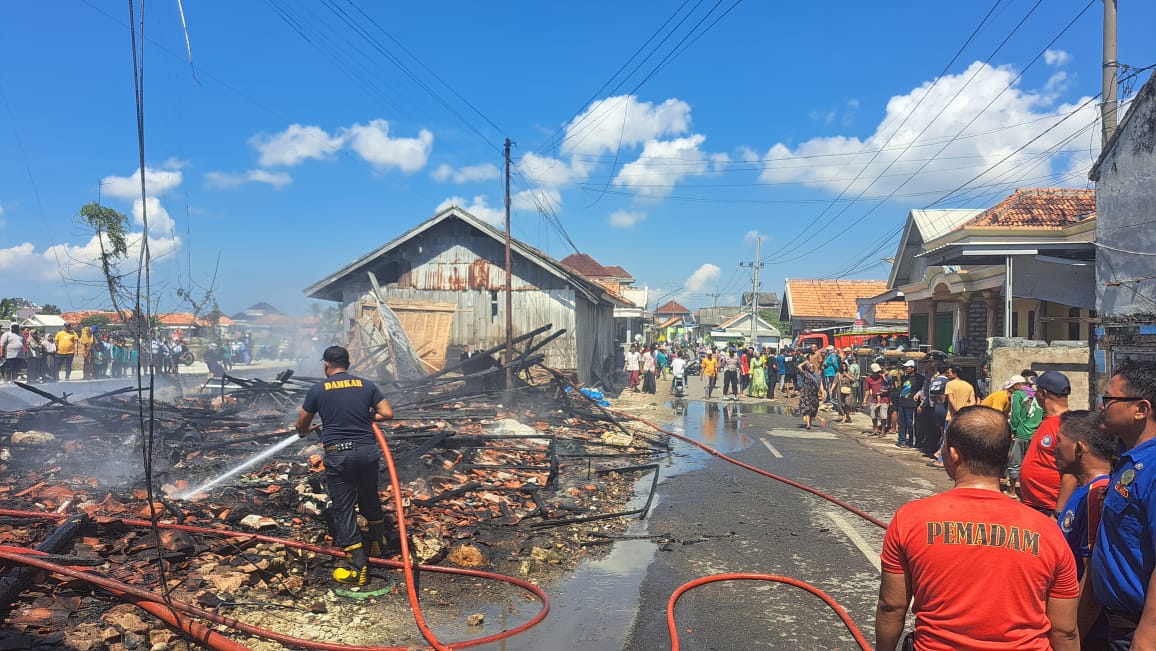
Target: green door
[[944, 328]]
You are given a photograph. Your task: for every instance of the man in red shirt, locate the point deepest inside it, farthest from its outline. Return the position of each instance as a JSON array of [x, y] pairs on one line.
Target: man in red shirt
[[979, 570], [1042, 486]]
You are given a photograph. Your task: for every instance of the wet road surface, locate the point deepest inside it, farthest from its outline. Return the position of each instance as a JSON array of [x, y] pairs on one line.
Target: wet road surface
[[712, 517]]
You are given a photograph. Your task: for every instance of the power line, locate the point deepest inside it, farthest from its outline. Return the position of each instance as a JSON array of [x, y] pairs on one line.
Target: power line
[[907, 117], [976, 117]]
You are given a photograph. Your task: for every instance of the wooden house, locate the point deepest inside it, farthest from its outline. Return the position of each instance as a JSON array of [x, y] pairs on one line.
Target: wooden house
[[445, 280]]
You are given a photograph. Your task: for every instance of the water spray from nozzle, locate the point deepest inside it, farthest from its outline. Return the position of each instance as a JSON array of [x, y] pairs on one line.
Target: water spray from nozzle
[[280, 445]]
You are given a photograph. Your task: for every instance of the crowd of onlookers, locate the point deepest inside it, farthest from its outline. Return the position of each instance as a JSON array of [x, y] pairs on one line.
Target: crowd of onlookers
[[36, 358]]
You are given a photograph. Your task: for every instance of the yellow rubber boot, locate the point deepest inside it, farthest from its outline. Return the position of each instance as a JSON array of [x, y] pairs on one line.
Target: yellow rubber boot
[[355, 571], [375, 537]]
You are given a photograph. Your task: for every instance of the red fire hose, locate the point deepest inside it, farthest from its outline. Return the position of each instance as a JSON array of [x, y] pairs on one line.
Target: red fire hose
[[672, 628], [122, 589], [866, 516], [156, 604]]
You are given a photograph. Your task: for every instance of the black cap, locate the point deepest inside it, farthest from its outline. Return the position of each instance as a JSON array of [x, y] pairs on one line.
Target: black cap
[[337, 356]]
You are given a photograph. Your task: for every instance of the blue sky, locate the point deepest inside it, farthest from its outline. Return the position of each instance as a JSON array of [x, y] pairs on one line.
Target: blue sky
[[295, 143]]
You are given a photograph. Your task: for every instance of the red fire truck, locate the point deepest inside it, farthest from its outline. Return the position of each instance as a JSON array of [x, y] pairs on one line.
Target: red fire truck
[[855, 337]]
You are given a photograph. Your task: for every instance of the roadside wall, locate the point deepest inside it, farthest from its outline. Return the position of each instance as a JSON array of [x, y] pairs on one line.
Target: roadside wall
[[1010, 356]]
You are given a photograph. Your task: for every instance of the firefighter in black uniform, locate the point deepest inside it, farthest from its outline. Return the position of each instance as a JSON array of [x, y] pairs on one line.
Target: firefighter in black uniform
[[348, 406]]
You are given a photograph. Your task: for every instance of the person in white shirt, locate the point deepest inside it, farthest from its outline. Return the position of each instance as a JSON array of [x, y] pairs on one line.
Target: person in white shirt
[[632, 366], [678, 370]]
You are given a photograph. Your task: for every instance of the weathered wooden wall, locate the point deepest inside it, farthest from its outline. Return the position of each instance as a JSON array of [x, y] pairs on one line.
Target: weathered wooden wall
[[453, 263]]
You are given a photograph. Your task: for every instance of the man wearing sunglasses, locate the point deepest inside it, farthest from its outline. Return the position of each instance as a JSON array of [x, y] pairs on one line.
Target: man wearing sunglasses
[[1125, 551]]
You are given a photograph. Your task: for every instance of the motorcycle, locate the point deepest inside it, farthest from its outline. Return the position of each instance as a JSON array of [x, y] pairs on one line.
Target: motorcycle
[[694, 368]]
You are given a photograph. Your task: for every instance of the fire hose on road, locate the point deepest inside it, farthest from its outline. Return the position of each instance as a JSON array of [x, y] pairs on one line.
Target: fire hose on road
[[672, 628]]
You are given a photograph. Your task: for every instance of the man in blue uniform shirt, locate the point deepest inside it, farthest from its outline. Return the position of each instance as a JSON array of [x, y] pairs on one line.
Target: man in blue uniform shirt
[[1125, 551], [349, 405]]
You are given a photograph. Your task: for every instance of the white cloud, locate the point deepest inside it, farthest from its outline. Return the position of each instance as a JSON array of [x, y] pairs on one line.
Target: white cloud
[[373, 143], [625, 219], [551, 172], [159, 219], [1056, 57], [702, 278], [1015, 117], [663, 164], [157, 182], [294, 145], [233, 179], [468, 174], [478, 208], [753, 236], [624, 121], [68, 262], [537, 200]]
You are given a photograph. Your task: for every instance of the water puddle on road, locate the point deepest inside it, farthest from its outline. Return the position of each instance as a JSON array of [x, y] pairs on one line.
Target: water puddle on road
[[595, 607]]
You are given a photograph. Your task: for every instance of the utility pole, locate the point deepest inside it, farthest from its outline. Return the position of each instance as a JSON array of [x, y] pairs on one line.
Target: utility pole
[[509, 287], [1108, 107], [715, 297], [756, 265]]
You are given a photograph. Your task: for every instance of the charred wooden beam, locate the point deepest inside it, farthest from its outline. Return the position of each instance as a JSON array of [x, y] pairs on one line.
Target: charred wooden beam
[[19, 581]]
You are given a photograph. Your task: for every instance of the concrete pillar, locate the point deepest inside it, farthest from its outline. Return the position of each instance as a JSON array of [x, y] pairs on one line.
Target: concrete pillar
[[962, 322], [933, 307]]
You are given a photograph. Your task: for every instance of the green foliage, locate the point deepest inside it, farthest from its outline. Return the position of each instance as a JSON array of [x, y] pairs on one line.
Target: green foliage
[[50, 308], [100, 320], [772, 317], [110, 224], [8, 308]]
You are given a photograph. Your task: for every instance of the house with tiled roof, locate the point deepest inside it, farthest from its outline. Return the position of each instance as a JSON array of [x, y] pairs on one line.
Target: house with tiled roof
[[810, 304], [1020, 268], [669, 309], [630, 313]]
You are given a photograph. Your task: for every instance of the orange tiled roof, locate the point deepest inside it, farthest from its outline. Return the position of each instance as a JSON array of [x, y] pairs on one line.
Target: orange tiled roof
[[670, 322], [165, 318], [835, 299], [1042, 208], [585, 265], [619, 272], [672, 307], [80, 315]]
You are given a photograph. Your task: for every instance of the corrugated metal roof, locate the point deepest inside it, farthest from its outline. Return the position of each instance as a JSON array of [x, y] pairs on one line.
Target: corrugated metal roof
[[934, 224]]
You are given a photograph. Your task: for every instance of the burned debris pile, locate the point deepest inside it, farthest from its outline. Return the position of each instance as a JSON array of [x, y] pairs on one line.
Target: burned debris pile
[[518, 482]]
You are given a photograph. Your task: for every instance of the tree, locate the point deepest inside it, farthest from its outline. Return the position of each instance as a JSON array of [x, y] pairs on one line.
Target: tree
[[109, 227], [8, 307], [50, 308]]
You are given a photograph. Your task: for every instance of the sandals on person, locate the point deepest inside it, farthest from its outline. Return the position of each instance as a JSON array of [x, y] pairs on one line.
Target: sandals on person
[[934, 464]]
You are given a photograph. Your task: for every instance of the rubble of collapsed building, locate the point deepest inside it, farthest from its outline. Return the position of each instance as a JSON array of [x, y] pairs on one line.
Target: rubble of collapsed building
[[520, 482]]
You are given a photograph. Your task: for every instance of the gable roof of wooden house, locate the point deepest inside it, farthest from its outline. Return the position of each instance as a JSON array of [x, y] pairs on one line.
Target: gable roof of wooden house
[[329, 288]]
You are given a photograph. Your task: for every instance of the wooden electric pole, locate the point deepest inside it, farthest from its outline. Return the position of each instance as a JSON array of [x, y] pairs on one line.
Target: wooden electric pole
[[1108, 107], [509, 284]]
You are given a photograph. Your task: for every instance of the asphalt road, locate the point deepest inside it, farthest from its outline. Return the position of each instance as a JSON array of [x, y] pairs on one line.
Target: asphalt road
[[714, 517]]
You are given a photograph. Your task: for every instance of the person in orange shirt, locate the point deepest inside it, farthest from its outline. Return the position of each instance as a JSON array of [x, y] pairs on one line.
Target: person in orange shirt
[[943, 554]]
